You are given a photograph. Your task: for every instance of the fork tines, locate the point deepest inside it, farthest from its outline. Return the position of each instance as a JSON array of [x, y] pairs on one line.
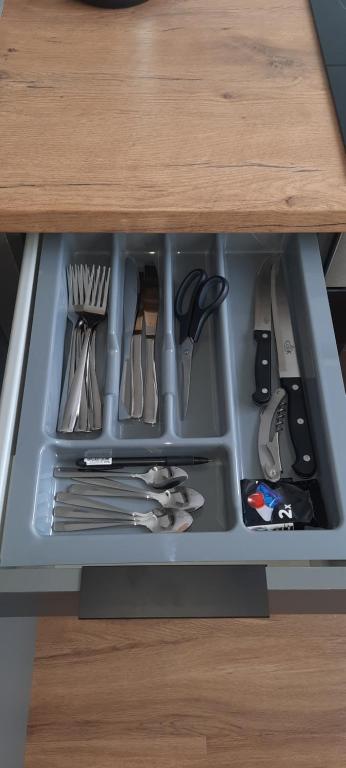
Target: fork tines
[[88, 288]]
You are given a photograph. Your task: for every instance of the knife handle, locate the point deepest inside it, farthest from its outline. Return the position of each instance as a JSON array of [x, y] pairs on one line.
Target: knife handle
[[305, 464], [150, 387], [136, 377], [263, 369]]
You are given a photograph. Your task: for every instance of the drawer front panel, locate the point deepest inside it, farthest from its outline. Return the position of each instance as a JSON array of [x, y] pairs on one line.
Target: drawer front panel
[[12, 382]]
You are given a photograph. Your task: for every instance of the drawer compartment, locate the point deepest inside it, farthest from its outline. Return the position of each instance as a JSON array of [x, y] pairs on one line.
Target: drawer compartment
[[53, 334], [337, 302], [208, 412], [222, 420], [148, 249]]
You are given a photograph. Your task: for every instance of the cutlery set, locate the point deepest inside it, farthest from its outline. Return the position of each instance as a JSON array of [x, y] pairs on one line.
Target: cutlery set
[[81, 507], [288, 399], [197, 298], [138, 387], [80, 404]]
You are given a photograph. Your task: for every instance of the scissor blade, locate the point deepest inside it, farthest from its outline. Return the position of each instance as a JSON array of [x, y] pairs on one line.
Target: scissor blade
[[186, 351]]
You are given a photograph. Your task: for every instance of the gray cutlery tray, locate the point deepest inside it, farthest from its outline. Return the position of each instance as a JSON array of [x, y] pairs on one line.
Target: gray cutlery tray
[[222, 420]]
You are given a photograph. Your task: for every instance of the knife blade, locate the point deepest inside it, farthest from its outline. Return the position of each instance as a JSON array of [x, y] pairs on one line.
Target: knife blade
[[290, 377], [262, 334], [131, 288]]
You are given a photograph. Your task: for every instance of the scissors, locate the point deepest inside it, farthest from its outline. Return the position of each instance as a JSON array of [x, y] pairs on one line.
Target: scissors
[[201, 296]]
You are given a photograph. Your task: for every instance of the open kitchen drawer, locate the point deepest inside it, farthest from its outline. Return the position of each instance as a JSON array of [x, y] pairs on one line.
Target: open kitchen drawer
[[222, 420]]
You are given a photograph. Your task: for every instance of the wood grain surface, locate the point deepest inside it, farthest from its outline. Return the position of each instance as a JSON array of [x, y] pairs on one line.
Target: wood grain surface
[[189, 694], [173, 115]]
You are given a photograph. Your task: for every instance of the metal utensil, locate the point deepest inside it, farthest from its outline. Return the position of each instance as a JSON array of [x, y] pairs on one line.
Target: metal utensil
[[80, 494], [69, 512], [95, 405], [136, 360], [131, 286], [290, 377], [201, 297], [151, 300], [162, 478], [83, 423], [71, 359], [88, 288], [178, 522], [262, 334], [272, 419]]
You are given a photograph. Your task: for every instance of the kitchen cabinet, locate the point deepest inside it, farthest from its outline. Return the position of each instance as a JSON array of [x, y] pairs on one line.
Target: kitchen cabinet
[[213, 122], [221, 389], [173, 116]]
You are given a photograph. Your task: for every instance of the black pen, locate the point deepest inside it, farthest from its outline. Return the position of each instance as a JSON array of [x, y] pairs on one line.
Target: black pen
[[140, 461]]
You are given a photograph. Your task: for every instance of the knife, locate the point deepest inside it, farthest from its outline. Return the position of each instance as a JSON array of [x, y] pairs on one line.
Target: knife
[[130, 307], [272, 419], [262, 334], [290, 377]]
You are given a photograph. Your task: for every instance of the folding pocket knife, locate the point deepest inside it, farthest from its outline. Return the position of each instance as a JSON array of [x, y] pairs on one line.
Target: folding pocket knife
[[272, 419]]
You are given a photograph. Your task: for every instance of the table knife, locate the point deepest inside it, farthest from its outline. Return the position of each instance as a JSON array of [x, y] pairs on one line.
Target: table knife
[[290, 377], [131, 288], [262, 334], [136, 364]]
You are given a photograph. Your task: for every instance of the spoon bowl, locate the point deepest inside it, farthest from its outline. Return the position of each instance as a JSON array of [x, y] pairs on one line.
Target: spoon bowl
[[174, 522], [181, 498]]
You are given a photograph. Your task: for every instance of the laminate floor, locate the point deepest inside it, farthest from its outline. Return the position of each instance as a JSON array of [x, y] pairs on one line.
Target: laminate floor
[[189, 693]]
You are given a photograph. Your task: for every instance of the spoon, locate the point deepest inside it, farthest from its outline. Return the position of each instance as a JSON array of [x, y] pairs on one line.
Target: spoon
[[184, 498], [156, 477], [68, 511], [177, 522]]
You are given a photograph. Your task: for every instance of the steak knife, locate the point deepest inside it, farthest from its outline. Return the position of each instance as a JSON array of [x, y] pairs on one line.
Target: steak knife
[[262, 334], [290, 377]]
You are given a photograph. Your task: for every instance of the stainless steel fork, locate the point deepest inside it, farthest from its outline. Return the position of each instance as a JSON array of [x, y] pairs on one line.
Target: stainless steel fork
[[88, 295]]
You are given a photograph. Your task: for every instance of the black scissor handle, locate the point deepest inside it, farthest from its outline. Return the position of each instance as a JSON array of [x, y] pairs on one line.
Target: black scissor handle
[[186, 300], [209, 297]]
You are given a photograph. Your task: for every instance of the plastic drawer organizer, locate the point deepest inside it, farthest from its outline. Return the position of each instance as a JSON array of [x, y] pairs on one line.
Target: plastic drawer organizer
[[222, 420]]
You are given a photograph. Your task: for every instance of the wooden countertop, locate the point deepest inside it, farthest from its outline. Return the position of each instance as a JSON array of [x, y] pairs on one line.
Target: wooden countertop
[[195, 115]]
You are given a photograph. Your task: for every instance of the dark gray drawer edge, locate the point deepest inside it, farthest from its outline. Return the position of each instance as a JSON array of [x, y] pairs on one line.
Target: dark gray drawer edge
[[55, 591], [279, 578], [309, 578], [320, 589]]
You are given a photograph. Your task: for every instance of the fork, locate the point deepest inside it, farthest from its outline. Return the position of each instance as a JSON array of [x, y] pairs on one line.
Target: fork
[[95, 406], [72, 354], [89, 417], [150, 295], [88, 295]]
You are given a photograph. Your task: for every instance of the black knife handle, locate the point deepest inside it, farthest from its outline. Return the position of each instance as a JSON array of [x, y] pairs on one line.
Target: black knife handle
[[304, 464], [263, 369]]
